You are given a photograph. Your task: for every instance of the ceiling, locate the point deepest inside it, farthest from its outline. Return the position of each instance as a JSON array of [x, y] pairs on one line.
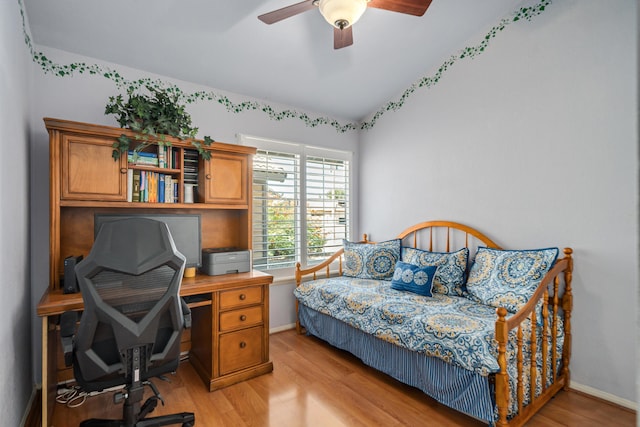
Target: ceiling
[[222, 44]]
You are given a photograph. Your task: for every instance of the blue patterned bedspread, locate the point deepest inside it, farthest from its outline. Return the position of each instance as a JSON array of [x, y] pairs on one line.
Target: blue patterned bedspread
[[454, 329]]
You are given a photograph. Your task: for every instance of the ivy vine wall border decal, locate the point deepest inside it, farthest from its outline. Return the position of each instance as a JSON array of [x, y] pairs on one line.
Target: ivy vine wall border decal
[[68, 70]]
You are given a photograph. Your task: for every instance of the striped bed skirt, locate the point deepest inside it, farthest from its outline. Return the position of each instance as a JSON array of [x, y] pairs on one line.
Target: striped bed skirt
[[458, 388]]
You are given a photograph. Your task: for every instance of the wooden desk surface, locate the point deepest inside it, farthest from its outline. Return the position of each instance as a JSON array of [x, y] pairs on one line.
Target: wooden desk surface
[[55, 302]]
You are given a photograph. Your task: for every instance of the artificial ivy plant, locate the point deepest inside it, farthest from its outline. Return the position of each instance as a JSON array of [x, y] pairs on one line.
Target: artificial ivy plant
[[152, 116]]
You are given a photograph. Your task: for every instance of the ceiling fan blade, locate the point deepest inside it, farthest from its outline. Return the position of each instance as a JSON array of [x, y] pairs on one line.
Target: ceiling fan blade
[[410, 7], [286, 12], [342, 38]]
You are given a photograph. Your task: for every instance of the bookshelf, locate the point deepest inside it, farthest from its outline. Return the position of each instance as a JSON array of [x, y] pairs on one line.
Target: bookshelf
[[229, 338], [85, 180]]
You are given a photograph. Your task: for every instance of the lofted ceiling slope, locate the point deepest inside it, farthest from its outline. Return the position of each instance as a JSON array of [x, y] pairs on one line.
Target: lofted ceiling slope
[[223, 45]]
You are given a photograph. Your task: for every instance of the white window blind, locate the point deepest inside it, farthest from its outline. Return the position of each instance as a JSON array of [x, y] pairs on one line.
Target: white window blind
[[276, 209], [298, 188], [327, 191]]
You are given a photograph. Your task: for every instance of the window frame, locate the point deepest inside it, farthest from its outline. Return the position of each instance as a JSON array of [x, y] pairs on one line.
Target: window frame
[[304, 151]]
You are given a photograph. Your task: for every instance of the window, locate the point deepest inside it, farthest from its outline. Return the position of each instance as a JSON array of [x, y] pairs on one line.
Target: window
[[301, 204]]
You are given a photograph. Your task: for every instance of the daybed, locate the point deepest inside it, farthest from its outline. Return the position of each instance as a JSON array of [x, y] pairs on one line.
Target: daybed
[[488, 335]]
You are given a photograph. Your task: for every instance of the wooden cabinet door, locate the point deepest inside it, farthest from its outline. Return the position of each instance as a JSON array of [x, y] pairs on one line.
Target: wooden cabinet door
[[89, 172], [225, 180]]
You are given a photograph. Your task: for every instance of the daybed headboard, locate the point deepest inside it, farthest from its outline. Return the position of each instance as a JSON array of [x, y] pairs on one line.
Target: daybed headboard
[[445, 236], [434, 236]]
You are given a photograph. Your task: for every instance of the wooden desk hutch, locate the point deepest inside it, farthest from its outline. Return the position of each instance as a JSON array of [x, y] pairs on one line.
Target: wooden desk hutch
[[229, 338]]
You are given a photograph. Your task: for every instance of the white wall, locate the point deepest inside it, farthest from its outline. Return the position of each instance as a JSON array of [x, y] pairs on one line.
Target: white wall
[[83, 98], [533, 142], [15, 316]]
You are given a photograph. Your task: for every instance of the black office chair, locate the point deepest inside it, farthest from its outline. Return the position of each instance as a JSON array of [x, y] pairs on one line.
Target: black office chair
[[133, 318]]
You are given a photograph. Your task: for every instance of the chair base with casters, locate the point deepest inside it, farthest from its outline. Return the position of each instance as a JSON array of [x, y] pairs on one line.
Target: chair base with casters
[[186, 419], [133, 413]]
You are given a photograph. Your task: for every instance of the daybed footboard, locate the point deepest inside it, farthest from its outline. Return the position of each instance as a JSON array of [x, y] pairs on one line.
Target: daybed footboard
[[552, 298]]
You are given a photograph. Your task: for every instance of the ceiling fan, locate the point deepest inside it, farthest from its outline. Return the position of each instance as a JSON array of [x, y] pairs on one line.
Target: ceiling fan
[[342, 14]]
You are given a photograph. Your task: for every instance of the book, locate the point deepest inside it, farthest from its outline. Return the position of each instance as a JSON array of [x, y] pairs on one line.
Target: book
[[136, 186], [162, 156], [175, 159], [153, 163], [161, 178], [143, 186], [168, 189], [131, 154], [129, 185], [153, 187], [176, 196]]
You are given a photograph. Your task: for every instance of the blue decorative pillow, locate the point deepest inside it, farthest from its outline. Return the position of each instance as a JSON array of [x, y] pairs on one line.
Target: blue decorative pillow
[[412, 278], [371, 260], [508, 278], [449, 279]]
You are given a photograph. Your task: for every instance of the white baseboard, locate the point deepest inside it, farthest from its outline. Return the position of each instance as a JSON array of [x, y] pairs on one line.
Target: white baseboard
[[603, 395], [282, 328]]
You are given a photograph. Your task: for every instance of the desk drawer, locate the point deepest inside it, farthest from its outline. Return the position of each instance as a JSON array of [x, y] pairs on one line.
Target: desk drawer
[[240, 297], [241, 318], [240, 349]]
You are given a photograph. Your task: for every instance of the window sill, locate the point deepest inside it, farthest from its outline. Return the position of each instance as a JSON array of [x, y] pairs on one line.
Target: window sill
[[283, 280]]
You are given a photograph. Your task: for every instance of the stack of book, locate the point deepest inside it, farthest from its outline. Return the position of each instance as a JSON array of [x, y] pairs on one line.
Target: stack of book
[[166, 157], [143, 158]]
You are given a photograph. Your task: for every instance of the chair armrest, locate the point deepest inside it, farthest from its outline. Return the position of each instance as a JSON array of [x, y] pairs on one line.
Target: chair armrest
[[68, 321], [186, 313]]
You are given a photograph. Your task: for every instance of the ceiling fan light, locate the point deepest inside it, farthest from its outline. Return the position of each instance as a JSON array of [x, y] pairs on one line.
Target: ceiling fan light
[[336, 12]]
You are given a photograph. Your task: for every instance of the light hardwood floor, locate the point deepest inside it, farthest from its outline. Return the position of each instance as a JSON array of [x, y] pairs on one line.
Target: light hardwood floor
[[316, 385]]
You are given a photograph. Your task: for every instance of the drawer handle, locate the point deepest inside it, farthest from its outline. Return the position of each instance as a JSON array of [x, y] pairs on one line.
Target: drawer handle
[[208, 176], [123, 170], [243, 297], [243, 318], [243, 344]]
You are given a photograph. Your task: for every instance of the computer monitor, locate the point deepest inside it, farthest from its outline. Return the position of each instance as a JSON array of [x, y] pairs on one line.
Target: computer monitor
[[184, 228]]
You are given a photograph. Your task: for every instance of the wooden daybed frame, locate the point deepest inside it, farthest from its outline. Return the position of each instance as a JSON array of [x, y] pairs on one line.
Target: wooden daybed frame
[[554, 291]]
